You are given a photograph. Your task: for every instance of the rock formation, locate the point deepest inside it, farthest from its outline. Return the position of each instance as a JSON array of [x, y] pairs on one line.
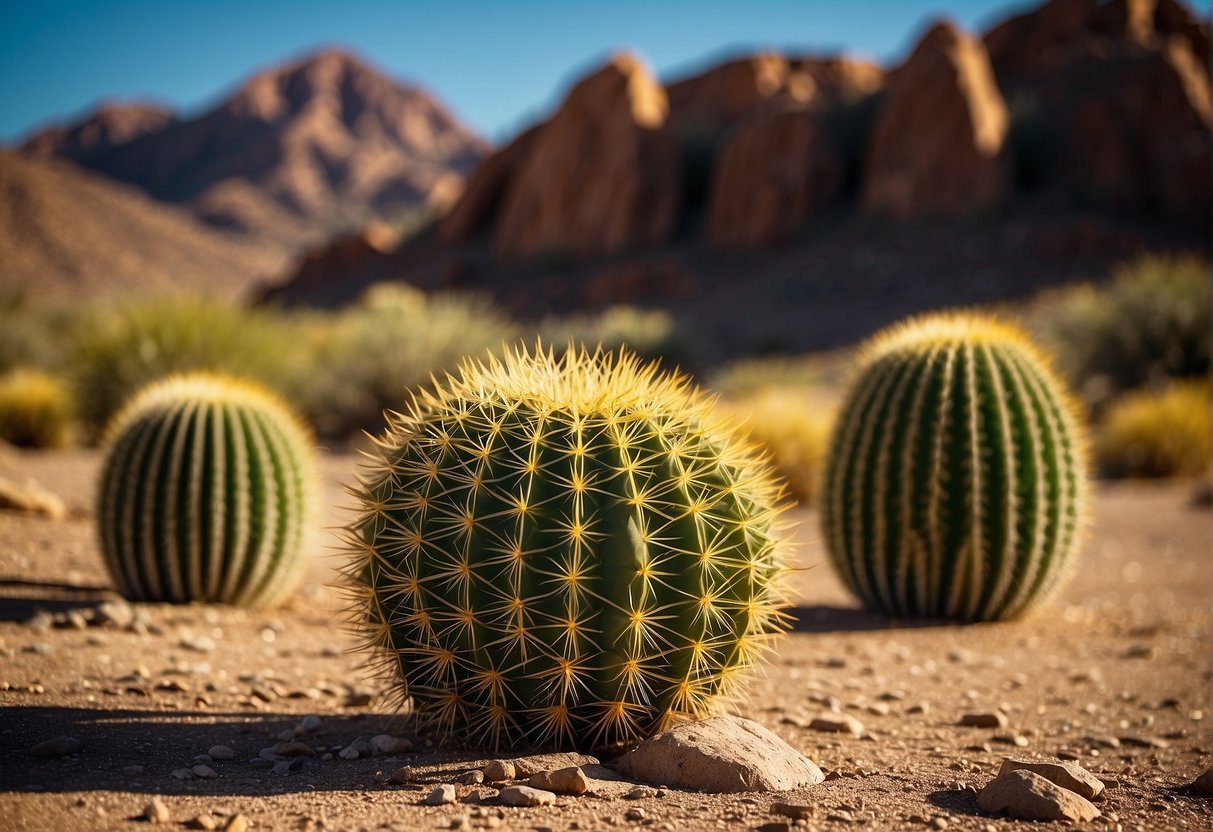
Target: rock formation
[[936, 148]]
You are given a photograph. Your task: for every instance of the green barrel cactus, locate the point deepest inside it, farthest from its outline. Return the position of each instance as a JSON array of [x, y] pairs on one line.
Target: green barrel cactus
[[564, 552], [204, 493], [955, 485]]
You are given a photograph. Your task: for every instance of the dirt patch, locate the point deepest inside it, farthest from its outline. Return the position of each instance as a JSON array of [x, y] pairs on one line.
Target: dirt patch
[[1115, 673]]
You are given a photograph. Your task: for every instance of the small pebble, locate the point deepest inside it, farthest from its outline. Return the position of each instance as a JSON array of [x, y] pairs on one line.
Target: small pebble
[[525, 796], [837, 724], [498, 771], [203, 822], [238, 823], [221, 752], [571, 780], [992, 719], [156, 812], [204, 772], [441, 795]]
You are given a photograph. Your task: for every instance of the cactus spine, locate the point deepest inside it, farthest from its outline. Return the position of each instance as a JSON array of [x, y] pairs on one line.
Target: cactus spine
[[564, 552], [204, 493], [956, 480]]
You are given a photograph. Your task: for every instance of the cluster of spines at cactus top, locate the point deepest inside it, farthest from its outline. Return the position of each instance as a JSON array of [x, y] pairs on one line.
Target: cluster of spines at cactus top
[[204, 493], [564, 552], [955, 484]]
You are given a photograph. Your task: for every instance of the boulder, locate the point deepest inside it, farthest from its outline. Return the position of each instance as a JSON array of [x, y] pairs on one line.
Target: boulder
[[1067, 775], [476, 209], [1028, 796], [600, 176], [720, 754], [937, 144], [774, 174]]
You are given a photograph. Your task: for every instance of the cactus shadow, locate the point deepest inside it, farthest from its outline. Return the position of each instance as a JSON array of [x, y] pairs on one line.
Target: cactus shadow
[[161, 741], [20, 599], [822, 618]]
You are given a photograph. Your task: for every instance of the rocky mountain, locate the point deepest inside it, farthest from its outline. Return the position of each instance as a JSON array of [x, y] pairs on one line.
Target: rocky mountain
[[68, 234], [297, 154]]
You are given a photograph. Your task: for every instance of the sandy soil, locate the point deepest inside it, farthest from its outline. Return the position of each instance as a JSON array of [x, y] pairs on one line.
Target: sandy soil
[[1116, 672]]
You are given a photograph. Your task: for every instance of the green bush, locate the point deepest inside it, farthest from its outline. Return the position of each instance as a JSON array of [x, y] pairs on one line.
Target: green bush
[[1150, 433], [121, 348], [1150, 323], [27, 333], [365, 359], [649, 333], [35, 409]]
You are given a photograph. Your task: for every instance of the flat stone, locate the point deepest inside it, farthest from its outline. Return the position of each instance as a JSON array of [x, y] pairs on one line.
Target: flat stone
[[526, 766], [1203, 785], [204, 772], [30, 498], [387, 745], [837, 724], [993, 719], [1067, 775], [795, 811], [570, 780], [441, 795], [1025, 795], [720, 754], [293, 749], [156, 812], [221, 752], [56, 747], [525, 796], [498, 771]]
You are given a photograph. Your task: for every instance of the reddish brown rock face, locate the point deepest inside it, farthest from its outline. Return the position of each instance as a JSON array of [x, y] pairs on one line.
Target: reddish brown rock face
[[775, 174], [601, 176], [937, 145]]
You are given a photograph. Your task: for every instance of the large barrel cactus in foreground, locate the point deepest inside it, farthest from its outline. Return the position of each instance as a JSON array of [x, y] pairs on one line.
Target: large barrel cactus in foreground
[[204, 493], [564, 552], [955, 484]]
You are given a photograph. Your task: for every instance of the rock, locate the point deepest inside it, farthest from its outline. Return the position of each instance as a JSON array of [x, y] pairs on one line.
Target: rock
[[639, 793], [471, 778], [720, 754], [1067, 775], [310, 724], [525, 796], [993, 719], [204, 821], [601, 176], [1203, 785], [198, 644], [117, 613], [348, 753], [571, 780], [837, 724], [156, 812], [402, 775], [30, 498], [183, 774], [221, 752], [476, 208], [498, 771], [795, 811], [204, 772], [1025, 795], [387, 745], [635, 814], [237, 823], [936, 148], [441, 795], [56, 747], [772, 176], [293, 749]]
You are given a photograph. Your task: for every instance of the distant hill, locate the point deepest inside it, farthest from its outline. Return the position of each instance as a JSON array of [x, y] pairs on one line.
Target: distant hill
[[67, 234], [297, 154]]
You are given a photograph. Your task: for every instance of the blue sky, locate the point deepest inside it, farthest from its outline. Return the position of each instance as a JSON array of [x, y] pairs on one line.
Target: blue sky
[[497, 65]]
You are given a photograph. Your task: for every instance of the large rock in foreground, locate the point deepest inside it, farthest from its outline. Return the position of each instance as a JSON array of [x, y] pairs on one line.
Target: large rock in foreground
[[601, 176], [1025, 795], [720, 754], [937, 146]]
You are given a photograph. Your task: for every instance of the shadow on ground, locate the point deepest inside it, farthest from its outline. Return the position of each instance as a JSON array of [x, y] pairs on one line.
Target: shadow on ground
[[162, 741], [826, 619]]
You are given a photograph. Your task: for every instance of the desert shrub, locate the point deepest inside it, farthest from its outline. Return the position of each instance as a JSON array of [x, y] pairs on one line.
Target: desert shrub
[[27, 332], [649, 333], [793, 426], [1151, 323], [121, 348], [1156, 433], [751, 376], [368, 357], [35, 409]]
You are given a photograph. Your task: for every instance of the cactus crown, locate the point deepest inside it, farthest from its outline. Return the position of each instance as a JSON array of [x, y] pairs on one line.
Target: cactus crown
[[204, 493], [956, 480], [563, 552]]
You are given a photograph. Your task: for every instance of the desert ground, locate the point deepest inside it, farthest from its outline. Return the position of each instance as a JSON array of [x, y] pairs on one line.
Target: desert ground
[[1114, 673]]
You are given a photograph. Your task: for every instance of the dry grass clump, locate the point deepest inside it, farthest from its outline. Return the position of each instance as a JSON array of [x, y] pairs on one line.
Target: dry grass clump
[[36, 409], [1162, 433]]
